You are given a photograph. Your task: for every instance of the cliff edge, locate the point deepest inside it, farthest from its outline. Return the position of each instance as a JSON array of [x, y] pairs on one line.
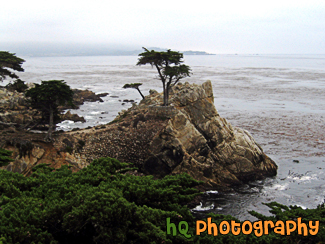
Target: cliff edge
[[188, 136]]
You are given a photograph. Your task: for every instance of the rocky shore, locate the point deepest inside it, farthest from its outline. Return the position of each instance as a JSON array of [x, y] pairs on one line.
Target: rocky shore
[[15, 112], [188, 136]]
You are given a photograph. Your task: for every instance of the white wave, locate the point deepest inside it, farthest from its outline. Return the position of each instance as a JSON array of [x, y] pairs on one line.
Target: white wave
[[303, 177], [96, 112], [201, 208], [211, 192], [66, 122], [279, 187]]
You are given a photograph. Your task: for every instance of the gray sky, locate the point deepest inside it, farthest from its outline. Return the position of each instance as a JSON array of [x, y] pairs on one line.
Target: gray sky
[[227, 26]]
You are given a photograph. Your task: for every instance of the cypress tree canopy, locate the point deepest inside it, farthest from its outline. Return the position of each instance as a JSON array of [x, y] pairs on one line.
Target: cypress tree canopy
[[11, 61]]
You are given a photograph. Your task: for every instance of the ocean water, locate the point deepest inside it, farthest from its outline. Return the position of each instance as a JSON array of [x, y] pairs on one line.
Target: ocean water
[[279, 99]]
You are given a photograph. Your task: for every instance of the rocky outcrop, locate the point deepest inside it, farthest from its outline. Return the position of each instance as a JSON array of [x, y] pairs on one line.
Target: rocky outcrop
[[198, 141], [15, 111], [188, 136], [82, 96], [74, 117]]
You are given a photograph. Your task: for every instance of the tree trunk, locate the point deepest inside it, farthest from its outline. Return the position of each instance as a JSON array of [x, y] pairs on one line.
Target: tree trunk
[[165, 95], [140, 93], [49, 133]]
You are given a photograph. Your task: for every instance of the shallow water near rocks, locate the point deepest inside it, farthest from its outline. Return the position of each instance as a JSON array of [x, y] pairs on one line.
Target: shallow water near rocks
[[279, 99]]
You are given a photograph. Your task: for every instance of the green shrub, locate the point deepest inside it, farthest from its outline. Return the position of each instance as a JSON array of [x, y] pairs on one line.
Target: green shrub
[[5, 158], [99, 204], [18, 86], [104, 204]]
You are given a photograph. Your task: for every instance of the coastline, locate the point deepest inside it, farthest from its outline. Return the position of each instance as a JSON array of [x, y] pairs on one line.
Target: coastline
[[276, 100]]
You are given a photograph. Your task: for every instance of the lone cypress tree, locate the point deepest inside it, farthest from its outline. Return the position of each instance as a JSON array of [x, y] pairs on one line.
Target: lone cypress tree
[[47, 97], [169, 66]]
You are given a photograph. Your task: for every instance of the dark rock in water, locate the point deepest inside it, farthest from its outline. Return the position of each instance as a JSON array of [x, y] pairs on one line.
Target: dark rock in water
[[296, 161], [189, 136], [128, 101], [82, 96], [103, 94], [114, 96], [74, 117]]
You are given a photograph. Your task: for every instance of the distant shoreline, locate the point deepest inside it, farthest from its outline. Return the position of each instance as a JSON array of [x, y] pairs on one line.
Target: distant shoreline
[[66, 50], [117, 53]]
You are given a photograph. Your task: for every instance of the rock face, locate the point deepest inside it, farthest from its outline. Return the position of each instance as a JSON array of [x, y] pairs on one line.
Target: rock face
[[198, 141], [15, 111], [188, 136]]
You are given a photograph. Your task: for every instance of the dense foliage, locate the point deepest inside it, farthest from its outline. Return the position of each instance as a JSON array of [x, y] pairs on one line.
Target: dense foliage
[[47, 97], [18, 86], [169, 66], [103, 204], [11, 61], [5, 158], [98, 204]]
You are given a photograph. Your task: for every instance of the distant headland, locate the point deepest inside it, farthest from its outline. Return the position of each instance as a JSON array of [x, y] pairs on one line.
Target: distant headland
[[61, 50]]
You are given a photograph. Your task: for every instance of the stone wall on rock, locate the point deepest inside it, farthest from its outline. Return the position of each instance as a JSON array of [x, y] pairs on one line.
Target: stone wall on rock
[[162, 111]]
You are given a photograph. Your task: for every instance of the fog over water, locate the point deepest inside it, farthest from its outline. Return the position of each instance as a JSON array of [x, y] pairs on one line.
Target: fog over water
[[279, 99]]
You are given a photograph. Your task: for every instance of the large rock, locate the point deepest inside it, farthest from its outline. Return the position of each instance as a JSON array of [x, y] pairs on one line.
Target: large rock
[[198, 141], [188, 136]]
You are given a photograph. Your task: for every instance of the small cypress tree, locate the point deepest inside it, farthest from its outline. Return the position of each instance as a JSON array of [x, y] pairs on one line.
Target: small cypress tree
[[134, 86], [47, 97]]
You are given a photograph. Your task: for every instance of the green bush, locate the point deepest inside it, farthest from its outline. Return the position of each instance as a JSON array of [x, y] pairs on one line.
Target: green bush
[[99, 204], [18, 86], [5, 158], [104, 204]]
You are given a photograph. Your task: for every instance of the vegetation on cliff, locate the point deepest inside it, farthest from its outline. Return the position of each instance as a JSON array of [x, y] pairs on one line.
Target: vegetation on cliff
[[104, 204], [18, 86], [5, 158]]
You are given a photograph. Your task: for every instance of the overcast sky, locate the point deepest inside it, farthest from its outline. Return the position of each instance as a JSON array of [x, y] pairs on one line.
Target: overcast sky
[[227, 26]]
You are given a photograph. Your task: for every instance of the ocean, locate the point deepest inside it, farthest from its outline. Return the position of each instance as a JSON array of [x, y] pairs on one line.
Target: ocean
[[279, 99]]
